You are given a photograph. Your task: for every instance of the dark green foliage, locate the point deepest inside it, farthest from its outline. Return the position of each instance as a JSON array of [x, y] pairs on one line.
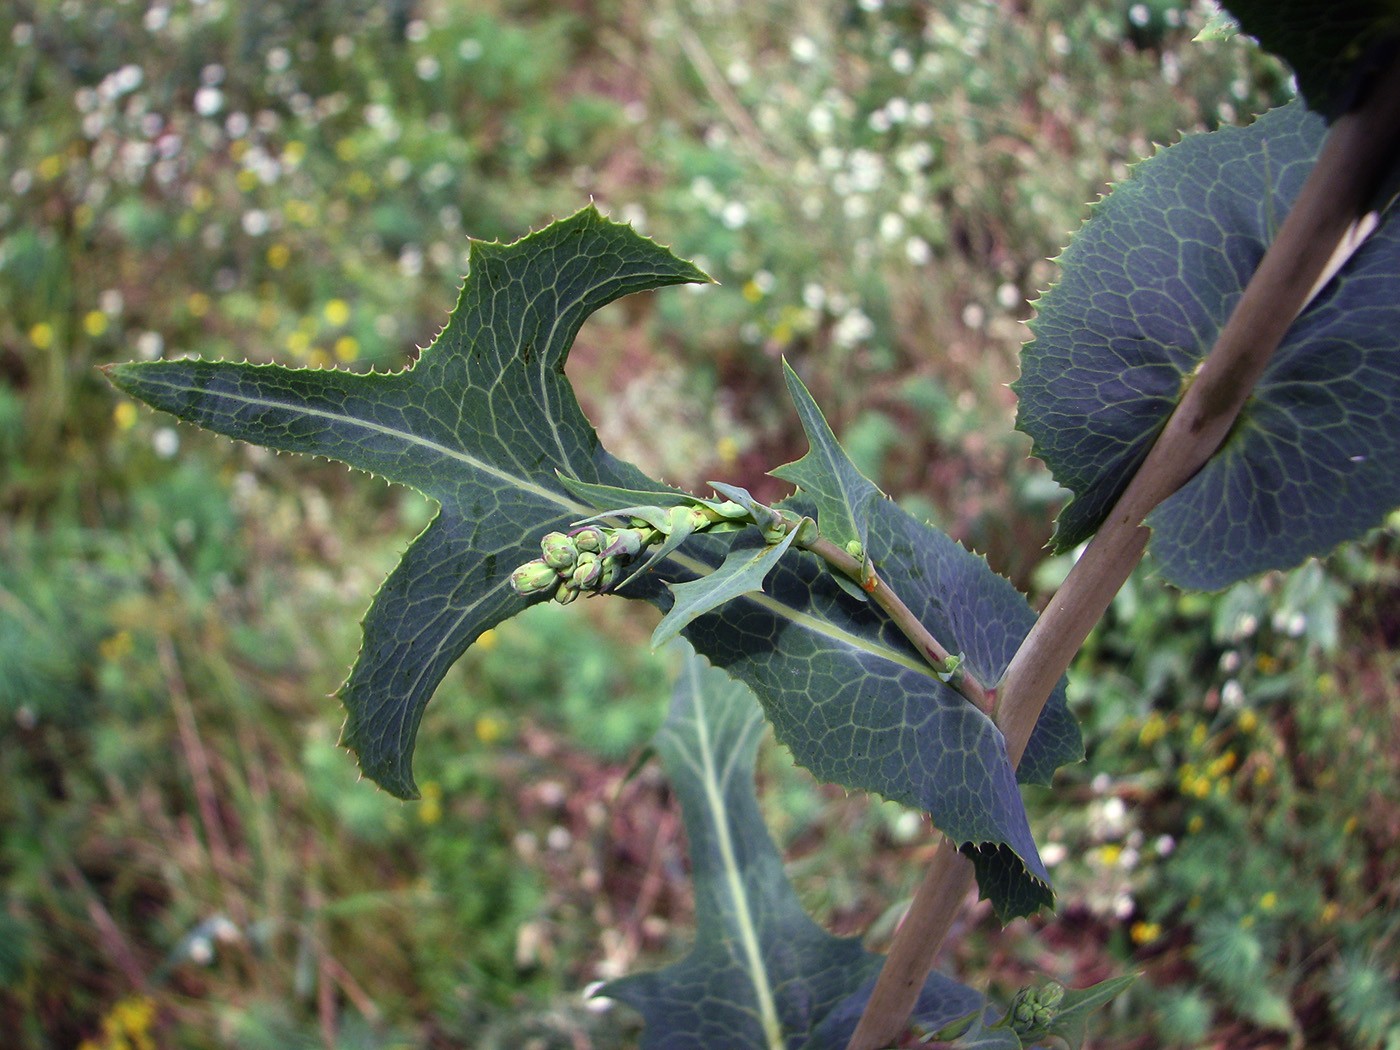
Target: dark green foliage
[[1332, 45], [1148, 285]]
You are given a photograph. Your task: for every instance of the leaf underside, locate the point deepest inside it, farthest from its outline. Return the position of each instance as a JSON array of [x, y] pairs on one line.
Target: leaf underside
[[1148, 284], [486, 424], [761, 974]]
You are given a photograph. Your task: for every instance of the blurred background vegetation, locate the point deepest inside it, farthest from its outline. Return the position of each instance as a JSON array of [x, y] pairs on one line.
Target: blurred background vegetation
[[188, 860]]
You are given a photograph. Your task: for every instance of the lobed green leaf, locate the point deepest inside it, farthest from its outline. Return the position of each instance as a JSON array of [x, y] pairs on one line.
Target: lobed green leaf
[[487, 424], [481, 423]]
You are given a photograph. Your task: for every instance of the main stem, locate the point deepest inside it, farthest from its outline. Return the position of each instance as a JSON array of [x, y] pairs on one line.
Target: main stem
[[1360, 146]]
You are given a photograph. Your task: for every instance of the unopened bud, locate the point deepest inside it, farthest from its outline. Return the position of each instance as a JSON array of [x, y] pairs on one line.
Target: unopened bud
[[612, 572], [1052, 994], [566, 593], [534, 577], [626, 543], [586, 571], [690, 519], [590, 538], [731, 510], [559, 551]]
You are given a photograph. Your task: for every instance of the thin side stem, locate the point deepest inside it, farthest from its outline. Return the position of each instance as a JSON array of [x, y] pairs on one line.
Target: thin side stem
[[1333, 201], [929, 647]]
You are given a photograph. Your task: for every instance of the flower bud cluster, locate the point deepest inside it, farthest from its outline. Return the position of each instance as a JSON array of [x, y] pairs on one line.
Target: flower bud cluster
[[587, 560], [592, 558], [1035, 1009]]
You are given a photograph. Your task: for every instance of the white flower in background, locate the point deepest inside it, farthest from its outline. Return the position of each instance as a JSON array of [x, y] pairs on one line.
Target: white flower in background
[[803, 49], [853, 328]]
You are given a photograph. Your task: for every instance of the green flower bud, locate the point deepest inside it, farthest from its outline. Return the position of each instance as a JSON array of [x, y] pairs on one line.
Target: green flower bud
[[559, 551], [695, 518], [587, 570], [566, 593], [854, 549], [534, 577], [612, 572], [590, 538], [731, 510], [626, 543], [1024, 1013], [1044, 1016], [1051, 995]]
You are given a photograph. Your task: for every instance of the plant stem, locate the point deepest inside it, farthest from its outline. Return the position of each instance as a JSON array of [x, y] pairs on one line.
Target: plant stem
[[880, 593], [1334, 200]]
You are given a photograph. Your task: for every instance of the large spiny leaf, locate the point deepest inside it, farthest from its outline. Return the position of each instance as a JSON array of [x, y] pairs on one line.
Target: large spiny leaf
[[1148, 284], [486, 424], [761, 974], [481, 424]]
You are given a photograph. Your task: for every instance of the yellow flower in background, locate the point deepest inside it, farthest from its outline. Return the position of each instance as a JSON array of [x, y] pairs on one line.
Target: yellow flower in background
[[293, 153], [346, 349], [247, 180], [359, 184], [298, 343], [1248, 721], [95, 323], [727, 449], [1109, 854], [278, 255], [1269, 901], [201, 198], [197, 304], [303, 213], [127, 1026], [336, 312], [430, 807], [115, 646], [51, 167], [1152, 730], [489, 729], [1224, 764], [124, 415], [41, 335], [1143, 932]]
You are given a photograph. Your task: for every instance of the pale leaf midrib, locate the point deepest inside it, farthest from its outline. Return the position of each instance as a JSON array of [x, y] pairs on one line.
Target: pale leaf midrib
[[734, 882]]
